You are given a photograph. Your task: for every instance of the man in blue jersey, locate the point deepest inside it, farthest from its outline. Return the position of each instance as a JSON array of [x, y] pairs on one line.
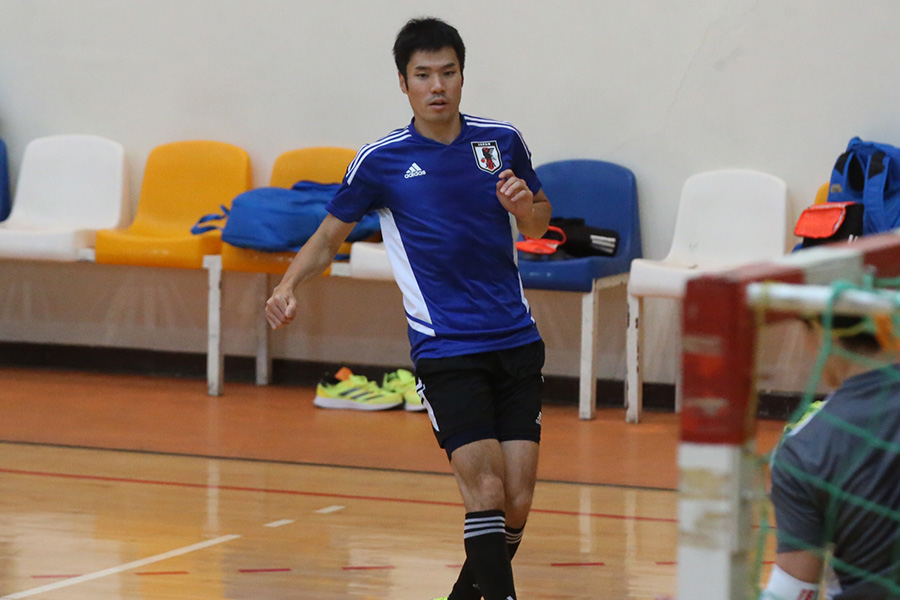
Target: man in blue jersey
[[450, 190]]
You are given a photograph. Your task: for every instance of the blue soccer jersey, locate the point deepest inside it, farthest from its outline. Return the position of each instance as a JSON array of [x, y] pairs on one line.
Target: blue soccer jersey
[[449, 240]]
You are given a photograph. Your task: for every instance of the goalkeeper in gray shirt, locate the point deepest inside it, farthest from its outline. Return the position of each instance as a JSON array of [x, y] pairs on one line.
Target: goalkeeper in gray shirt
[[836, 481]]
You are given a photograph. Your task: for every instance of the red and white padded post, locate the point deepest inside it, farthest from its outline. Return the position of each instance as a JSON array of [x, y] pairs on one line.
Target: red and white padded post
[[718, 425]]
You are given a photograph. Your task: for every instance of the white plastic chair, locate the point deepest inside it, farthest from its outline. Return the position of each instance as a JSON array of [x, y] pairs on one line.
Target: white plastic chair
[[725, 218], [369, 260], [69, 187]]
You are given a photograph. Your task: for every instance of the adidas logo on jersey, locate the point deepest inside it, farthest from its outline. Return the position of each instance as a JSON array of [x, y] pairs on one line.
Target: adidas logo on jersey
[[414, 171]]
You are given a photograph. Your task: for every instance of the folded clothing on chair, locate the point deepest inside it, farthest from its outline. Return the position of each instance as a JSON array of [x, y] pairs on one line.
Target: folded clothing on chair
[[577, 240]]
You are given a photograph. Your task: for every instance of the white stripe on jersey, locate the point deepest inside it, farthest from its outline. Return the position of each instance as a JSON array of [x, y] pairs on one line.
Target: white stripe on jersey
[[413, 300], [421, 328], [514, 229], [389, 136], [481, 122], [396, 136]]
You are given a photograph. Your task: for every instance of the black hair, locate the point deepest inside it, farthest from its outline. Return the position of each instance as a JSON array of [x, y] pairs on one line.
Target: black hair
[[428, 34], [853, 333]]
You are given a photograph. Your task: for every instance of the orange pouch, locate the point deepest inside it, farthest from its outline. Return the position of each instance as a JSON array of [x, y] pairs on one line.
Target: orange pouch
[[821, 220]]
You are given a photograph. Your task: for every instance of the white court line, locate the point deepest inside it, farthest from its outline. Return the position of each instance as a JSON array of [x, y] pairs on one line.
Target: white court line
[[321, 511], [113, 570], [279, 523]]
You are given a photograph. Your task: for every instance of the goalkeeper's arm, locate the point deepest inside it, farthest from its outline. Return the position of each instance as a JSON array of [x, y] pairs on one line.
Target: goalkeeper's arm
[[794, 577]]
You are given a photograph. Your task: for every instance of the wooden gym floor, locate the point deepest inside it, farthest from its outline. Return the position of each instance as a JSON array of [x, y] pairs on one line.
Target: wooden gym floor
[[130, 487]]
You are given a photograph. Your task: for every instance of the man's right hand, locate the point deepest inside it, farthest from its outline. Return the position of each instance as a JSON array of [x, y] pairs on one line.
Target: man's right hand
[[281, 308]]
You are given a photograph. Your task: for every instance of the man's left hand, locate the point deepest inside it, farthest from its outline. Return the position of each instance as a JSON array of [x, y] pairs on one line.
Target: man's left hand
[[514, 195]]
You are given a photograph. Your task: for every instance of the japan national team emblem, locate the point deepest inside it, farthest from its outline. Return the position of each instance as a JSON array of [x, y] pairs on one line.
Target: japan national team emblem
[[487, 156]]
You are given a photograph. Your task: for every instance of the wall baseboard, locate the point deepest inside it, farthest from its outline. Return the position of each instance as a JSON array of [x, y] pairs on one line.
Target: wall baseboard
[[241, 369]]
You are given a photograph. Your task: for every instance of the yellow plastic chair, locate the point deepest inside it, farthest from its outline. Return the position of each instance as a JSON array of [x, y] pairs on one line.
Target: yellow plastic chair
[[322, 165], [822, 193], [182, 182]]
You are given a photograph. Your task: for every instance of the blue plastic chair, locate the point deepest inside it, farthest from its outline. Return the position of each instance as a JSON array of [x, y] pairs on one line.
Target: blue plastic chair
[[5, 198], [604, 195]]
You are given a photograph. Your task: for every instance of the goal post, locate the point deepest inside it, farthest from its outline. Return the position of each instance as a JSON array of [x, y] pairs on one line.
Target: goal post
[[717, 459]]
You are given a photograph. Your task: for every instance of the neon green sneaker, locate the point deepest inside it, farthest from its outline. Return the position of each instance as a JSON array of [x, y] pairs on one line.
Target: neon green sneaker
[[403, 382], [354, 392]]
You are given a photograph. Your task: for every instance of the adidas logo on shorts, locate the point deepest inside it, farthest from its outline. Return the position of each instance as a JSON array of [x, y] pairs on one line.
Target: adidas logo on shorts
[[538, 420], [414, 171]]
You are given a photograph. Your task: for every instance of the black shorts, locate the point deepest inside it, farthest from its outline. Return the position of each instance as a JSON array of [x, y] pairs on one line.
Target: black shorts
[[489, 395]]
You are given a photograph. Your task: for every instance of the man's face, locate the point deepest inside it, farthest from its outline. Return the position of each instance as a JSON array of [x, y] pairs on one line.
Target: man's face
[[433, 84]]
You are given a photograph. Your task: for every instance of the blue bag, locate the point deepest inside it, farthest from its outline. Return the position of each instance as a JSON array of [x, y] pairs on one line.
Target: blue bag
[[274, 219], [5, 199], [869, 173]]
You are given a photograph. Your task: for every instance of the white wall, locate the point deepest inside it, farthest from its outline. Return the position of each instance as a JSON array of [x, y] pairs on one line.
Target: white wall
[[665, 88]]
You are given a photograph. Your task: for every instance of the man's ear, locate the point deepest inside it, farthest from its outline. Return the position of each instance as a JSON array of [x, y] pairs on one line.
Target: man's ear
[[402, 78]]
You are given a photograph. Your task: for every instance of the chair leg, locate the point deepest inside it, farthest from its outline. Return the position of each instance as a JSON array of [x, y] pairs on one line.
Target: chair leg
[[263, 346], [634, 381], [215, 357], [587, 380]]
